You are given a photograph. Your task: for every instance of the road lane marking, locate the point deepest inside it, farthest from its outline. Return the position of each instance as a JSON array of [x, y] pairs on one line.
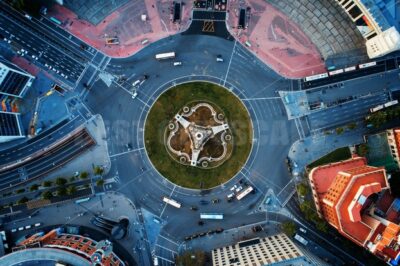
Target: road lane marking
[[122, 153]]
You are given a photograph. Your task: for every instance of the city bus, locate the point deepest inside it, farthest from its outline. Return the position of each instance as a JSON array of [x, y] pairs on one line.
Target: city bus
[[168, 55], [315, 77], [172, 202], [244, 193], [212, 216]]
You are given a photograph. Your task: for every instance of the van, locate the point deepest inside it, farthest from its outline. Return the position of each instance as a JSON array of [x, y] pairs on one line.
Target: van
[[135, 83]]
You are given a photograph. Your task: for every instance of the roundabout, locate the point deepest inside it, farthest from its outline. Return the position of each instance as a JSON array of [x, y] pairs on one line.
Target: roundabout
[[198, 135]]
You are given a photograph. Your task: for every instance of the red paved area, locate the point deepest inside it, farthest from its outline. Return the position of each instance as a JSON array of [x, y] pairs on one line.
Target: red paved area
[[26, 65], [126, 24], [275, 39]]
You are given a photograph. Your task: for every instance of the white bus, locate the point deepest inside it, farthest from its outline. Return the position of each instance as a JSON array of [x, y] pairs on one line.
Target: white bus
[[172, 202], [391, 103], [376, 108], [370, 64], [315, 77], [244, 193], [212, 216], [165, 56], [352, 68], [335, 72]]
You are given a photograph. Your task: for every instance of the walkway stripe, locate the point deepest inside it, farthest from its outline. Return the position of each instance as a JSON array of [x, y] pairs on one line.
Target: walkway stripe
[[122, 153]]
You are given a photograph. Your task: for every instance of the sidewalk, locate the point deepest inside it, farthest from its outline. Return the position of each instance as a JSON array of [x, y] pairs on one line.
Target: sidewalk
[[275, 39], [126, 24], [303, 152]]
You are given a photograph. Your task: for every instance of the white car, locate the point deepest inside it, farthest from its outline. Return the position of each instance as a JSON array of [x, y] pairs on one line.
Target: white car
[[38, 224], [21, 228], [134, 94], [28, 227], [233, 188], [230, 195], [219, 59], [177, 63], [239, 189]]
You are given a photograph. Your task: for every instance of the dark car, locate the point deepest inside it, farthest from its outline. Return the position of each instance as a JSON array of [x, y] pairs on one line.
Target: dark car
[[203, 202], [219, 230], [194, 208], [200, 223], [202, 234], [188, 238], [257, 228]]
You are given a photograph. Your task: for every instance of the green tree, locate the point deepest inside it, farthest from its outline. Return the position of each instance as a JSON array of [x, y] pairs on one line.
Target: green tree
[[19, 191], [84, 175], [100, 182], [352, 126], [321, 225], [71, 179], [302, 189], [23, 200], [47, 183], [47, 195], [339, 130], [71, 190], [61, 181], [289, 228], [191, 258], [98, 170], [61, 191], [363, 150], [34, 187]]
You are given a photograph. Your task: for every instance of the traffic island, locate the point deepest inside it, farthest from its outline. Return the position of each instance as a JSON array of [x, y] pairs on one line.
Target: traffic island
[[198, 135]]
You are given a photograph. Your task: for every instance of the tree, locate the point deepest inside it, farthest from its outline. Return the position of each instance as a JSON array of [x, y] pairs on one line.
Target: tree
[[34, 187], [61, 181], [19, 191], [321, 225], [71, 190], [100, 182], [352, 126], [289, 228], [23, 200], [191, 258], [72, 179], [98, 170], [46, 195], [61, 191], [302, 189], [84, 175], [363, 150], [339, 130], [47, 183]]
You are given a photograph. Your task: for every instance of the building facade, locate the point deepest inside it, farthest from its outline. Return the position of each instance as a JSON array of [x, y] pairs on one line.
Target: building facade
[[93, 252], [259, 251], [13, 80], [373, 20], [10, 127], [356, 200], [393, 136]]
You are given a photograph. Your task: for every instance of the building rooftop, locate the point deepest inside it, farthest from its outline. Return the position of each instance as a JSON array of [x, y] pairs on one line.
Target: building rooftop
[[355, 198]]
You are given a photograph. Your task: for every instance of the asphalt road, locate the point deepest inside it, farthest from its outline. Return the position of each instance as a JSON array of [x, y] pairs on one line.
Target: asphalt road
[[63, 54], [49, 160], [241, 72]]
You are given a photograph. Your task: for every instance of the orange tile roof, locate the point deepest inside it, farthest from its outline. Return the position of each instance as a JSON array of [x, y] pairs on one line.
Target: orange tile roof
[[323, 176]]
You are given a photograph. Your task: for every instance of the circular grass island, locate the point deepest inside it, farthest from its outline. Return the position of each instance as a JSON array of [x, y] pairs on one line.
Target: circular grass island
[[198, 135]]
